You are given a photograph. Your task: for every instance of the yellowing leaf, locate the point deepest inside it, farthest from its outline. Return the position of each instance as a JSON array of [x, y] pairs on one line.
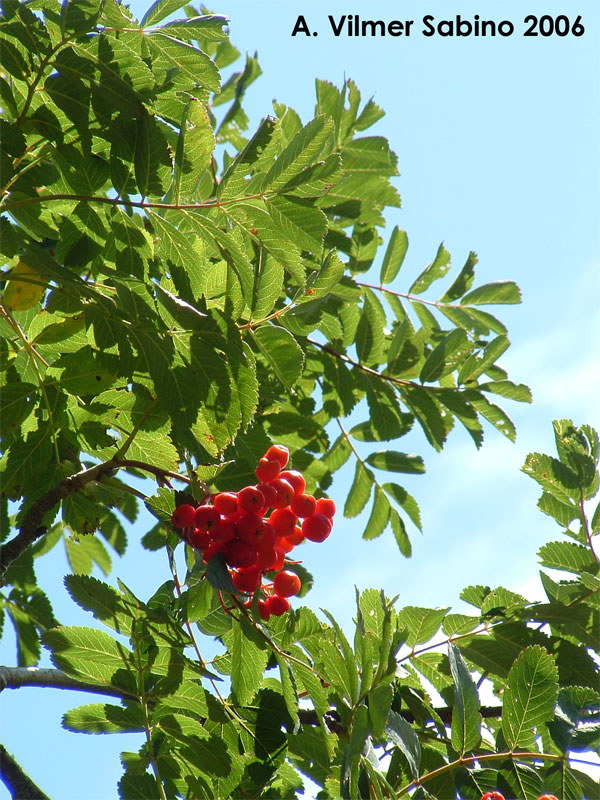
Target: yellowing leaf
[[24, 288]]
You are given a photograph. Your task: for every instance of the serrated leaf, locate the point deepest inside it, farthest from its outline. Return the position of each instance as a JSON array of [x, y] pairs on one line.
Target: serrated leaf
[[493, 293], [370, 337], [394, 255], [189, 60], [445, 355], [400, 534], [359, 492], [402, 734], [195, 146], [433, 272], [462, 282], [421, 623], [282, 352], [248, 662], [105, 602], [104, 718], [530, 697], [379, 517], [405, 501], [392, 461], [302, 151], [89, 654], [568, 556], [466, 719]]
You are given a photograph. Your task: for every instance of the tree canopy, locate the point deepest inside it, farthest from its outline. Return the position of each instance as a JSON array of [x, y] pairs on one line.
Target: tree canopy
[[180, 294]]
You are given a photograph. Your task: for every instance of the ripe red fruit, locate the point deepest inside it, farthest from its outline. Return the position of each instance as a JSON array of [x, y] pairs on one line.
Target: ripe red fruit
[[184, 516], [543, 796], [268, 469], [492, 796], [286, 583], [226, 503], [239, 554], [263, 610], [303, 505], [199, 539], [277, 605], [326, 506], [285, 543], [269, 492], [285, 493], [225, 531], [295, 478], [207, 518], [278, 452], [284, 521], [317, 527], [212, 549], [255, 531], [296, 536], [250, 499], [246, 579], [271, 559]]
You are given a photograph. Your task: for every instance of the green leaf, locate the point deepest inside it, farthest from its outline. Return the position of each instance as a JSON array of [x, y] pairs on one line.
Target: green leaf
[[282, 352], [475, 365], [463, 281], [445, 356], [380, 514], [288, 685], [568, 556], [150, 152], [268, 286], [554, 477], [405, 501], [359, 491], [104, 718], [90, 655], [530, 697], [433, 272], [493, 293], [208, 27], [370, 338], [400, 534], [302, 151], [420, 623], [402, 734], [466, 719], [106, 603], [191, 62], [195, 146], [394, 256], [219, 575], [248, 662], [396, 462], [159, 10]]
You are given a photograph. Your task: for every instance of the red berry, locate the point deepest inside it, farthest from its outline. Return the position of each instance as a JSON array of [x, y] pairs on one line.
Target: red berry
[[250, 499], [225, 531], [277, 605], [255, 531], [286, 583], [246, 579], [207, 518], [284, 521], [226, 503], [295, 478], [271, 559], [285, 543], [285, 493], [199, 539], [303, 505], [268, 469], [269, 492], [278, 452], [492, 796], [296, 536], [541, 797], [317, 527], [212, 549], [239, 554], [326, 506], [184, 516], [263, 610]]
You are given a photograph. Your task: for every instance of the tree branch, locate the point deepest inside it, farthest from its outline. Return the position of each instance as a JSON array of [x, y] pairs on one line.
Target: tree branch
[[31, 527], [16, 677], [18, 783]]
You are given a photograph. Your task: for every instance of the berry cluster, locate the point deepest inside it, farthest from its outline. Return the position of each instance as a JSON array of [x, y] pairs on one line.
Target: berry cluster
[[257, 527], [499, 796]]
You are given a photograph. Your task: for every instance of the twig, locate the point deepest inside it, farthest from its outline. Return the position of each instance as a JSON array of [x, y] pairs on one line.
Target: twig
[[16, 677], [31, 527], [18, 783]]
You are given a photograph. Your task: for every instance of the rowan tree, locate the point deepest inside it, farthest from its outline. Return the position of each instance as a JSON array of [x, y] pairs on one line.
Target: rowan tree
[[185, 300]]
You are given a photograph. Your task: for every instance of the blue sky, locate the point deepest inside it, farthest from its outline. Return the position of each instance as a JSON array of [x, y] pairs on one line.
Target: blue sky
[[498, 153]]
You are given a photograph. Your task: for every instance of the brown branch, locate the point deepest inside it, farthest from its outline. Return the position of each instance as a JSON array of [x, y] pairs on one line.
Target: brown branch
[[16, 677], [309, 716], [31, 527], [117, 201], [18, 783]]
